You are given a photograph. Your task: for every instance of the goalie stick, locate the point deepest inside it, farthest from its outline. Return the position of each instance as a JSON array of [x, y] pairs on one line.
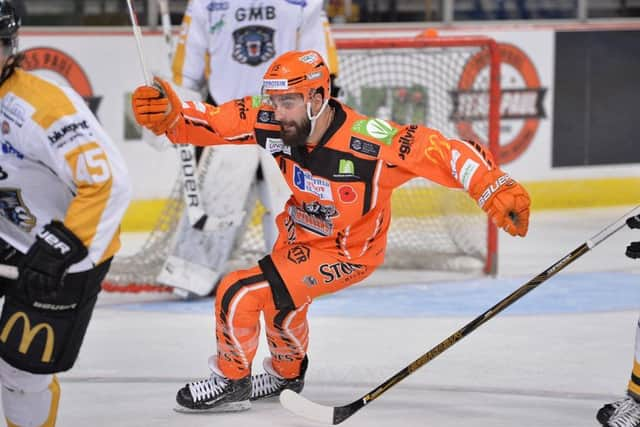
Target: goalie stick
[[186, 153], [304, 407], [192, 194]]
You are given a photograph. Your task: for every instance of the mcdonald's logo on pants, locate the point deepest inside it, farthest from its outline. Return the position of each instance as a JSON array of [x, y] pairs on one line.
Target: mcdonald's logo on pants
[[29, 334]]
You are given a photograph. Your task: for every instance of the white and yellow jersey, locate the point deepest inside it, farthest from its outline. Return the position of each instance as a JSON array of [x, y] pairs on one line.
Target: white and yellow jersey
[[231, 43], [56, 162]]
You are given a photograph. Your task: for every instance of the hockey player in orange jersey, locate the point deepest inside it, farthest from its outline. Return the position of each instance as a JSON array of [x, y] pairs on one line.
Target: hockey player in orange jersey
[[341, 167]]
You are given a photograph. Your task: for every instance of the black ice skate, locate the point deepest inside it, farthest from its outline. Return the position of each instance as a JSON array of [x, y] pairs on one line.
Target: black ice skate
[[215, 394], [622, 413], [270, 384]]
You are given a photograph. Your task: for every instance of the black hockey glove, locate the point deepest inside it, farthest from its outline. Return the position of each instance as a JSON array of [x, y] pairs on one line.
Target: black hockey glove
[[633, 250], [45, 265]]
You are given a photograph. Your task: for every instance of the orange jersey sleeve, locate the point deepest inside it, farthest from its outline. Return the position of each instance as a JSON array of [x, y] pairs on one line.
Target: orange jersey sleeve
[[421, 151], [203, 124]]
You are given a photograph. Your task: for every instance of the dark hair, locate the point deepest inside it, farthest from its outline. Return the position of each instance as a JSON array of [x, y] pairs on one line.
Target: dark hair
[[9, 26]]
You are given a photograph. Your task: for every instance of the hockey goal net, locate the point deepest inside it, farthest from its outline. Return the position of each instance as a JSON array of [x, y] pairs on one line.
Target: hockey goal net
[[449, 83]]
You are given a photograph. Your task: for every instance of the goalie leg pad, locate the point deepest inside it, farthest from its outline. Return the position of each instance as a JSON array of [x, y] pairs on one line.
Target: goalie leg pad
[[46, 338]]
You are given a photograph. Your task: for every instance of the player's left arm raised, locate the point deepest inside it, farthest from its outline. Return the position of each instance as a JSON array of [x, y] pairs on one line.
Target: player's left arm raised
[[464, 164]]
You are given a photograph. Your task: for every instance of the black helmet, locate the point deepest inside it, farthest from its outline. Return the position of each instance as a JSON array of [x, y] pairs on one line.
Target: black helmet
[[9, 25]]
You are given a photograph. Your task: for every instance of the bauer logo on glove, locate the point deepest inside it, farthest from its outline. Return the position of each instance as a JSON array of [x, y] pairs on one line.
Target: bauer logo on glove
[[505, 201], [56, 248], [493, 188], [53, 241]]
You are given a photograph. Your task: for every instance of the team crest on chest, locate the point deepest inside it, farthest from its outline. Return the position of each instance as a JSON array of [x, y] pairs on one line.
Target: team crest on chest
[[314, 217], [13, 209], [253, 45]]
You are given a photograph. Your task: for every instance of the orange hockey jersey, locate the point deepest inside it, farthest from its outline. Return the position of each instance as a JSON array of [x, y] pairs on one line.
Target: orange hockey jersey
[[342, 186]]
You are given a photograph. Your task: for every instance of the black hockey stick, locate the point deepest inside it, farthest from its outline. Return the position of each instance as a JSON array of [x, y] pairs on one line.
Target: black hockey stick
[[336, 414]]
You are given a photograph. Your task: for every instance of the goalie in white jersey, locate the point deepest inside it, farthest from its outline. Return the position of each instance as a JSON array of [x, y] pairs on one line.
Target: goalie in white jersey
[[63, 191], [227, 46]]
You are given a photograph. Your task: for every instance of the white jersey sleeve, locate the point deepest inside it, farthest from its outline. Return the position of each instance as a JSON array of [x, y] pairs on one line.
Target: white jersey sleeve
[[58, 164], [190, 57], [311, 35]]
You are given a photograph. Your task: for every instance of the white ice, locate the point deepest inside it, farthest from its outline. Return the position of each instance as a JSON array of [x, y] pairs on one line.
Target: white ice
[[532, 367]]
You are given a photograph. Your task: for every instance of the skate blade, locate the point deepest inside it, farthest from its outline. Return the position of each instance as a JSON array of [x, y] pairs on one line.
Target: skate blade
[[225, 407], [266, 399]]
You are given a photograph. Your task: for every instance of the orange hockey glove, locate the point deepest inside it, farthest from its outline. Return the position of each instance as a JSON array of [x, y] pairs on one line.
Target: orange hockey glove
[[504, 200], [156, 107]]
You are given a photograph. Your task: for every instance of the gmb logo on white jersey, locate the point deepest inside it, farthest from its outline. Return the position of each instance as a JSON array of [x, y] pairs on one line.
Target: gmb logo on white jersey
[[253, 45]]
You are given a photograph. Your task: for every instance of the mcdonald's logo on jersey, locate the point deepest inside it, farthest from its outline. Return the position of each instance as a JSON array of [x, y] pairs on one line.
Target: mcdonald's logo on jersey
[[29, 334]]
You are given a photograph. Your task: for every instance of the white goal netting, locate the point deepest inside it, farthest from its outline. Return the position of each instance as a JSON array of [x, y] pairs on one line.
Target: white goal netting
[[444, 85]]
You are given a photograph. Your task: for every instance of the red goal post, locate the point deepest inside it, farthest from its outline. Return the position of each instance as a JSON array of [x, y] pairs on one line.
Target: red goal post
[[470, 74]]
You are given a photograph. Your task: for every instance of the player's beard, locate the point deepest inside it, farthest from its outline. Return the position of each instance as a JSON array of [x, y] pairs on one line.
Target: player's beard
[[295, 134]]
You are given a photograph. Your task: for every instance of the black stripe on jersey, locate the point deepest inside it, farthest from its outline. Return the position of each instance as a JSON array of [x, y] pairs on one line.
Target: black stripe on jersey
[[233, 290], [199, 124], [339, 117], [298, 154], [281, 296], [635, 380], [325, 162], [263, 134]]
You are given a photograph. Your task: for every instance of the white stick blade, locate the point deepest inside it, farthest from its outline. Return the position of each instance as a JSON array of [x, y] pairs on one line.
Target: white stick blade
[[8, 271], [303, 407]]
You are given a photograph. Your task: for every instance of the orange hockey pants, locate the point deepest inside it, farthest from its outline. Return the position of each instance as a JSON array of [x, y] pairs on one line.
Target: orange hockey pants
[[282, 286]]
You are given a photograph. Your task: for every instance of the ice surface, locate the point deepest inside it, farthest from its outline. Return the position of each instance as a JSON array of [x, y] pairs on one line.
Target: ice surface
[[552, 360]]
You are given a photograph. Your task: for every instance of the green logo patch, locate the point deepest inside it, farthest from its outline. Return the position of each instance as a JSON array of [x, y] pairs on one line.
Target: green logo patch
[[256, 101], [346, 167], [375, 128]]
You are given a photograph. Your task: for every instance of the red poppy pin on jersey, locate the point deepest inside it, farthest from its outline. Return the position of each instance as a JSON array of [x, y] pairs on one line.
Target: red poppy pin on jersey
[[347, 194]]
